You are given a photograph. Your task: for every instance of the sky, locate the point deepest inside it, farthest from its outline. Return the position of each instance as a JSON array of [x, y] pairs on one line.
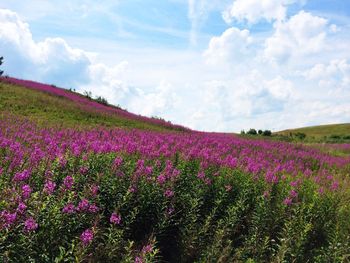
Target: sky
[[209, 65]]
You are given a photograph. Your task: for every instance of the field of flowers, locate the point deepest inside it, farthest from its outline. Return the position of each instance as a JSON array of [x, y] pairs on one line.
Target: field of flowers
[[104, 194]]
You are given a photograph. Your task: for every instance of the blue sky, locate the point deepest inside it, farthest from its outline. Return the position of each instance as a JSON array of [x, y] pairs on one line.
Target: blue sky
[[208, 64]]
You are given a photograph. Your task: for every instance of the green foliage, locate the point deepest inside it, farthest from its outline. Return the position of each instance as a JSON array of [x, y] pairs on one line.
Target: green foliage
[[252, 132], [102, 100], [267, 133]]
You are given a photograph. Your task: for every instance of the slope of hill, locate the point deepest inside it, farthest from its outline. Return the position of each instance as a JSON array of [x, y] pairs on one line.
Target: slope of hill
[[49, 103], [329, 132]]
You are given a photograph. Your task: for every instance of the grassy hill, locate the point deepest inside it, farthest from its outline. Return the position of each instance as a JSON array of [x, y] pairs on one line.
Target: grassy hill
[[327, 133], [47, 103]]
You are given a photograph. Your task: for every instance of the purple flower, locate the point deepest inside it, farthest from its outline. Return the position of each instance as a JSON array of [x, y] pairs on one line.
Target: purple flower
[[321, 190], [26, 191], [266, 194], [168, 193], [22, 176], [288, 201], [21, 208], [87, 236], [83, 205], [93, 209], [49, 187], [138, 260], [69, 209], [118, 162], [161, 179], [147, 249], [115, 219], [8, 217], [68, 182], [30, 225], [334, 185], [94, 189], [83, 170], [201, 175], [293, 193]]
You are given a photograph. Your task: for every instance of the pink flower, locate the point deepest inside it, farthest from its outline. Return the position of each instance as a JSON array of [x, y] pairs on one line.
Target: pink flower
[[321, 190], [293, 193], [26, 191], [94, 189], [288, 201], [161, 179], [83, 205], [21, 208], [49, 187], [22, 176], [93, 209], [266, 194], [138, 260], [168, 193], [68, 182], [147, 249], [86, 237], [118, 162], [115, 219], [334, 185], [8, 217], [30, 225], [69, 209]]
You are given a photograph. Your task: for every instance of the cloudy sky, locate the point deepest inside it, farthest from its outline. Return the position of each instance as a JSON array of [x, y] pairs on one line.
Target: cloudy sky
[[207, 64]]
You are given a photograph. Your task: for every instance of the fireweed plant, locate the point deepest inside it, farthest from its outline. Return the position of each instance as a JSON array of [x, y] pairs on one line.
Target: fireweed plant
[[104, 194]]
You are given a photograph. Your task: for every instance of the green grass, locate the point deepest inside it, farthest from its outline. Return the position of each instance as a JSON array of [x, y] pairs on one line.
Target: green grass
[[44, 107], [321, 130], [331, 133]]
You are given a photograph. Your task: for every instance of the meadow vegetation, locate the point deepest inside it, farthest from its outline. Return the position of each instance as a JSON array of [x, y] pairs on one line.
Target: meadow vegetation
[[85, 182]]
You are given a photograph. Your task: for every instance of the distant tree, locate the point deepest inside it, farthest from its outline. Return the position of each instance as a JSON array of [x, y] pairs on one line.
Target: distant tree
[[300, 135], [158, 118], [88, 94], [1, 61], [101, 100], [252, 132], [260, 132], [267, 133], [242, 132]]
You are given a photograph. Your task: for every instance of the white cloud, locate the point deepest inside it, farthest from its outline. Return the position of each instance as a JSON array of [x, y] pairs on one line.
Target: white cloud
[[303, 34], [51, 60], [231, 46], [253, 11], [158, 103]]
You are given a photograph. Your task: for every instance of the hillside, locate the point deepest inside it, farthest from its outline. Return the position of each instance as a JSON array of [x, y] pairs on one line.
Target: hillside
[[329, 132], [63, 107]]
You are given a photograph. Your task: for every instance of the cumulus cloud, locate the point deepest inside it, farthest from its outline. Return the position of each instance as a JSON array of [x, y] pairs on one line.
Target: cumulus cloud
[[158, 102], [231, 46], [302, 34], [254, 11], [51, 60]]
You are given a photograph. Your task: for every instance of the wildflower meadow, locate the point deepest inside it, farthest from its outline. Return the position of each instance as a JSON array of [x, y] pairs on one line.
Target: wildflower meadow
[[101, 193]]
